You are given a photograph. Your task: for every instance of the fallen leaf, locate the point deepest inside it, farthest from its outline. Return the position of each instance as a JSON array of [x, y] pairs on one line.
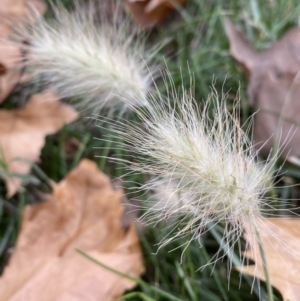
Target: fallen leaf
[[23, 131], [13, 13], [21, 10], [84, 212], [273, 88], [10, 57], [281, 240], [150, 12]]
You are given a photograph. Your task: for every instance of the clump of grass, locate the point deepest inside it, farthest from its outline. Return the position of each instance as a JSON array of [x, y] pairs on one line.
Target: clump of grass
[[197, 37]]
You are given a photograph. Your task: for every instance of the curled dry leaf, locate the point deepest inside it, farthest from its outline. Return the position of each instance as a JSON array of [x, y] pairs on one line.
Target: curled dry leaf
[[281, 239], [273, 88], [150, 12], [23, 131], [12, 13], [84, 212]]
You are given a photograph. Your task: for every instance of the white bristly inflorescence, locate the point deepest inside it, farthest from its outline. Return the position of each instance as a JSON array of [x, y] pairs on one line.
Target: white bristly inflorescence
[[95, 57], [203, 167]]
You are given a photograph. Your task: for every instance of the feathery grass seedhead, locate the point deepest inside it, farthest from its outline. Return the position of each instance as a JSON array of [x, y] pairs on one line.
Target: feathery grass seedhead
[[98, 57], [205, 168]]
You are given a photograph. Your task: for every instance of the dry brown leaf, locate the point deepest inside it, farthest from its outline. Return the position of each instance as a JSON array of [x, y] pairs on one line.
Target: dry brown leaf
[[13, 12], [274, 82], [83, 213], [10, 57], [150, 12], [19, 10], [23, 131], [282, 251]]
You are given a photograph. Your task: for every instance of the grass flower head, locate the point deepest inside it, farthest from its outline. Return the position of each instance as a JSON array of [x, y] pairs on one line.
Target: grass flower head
[[94, 56], [204, 168]]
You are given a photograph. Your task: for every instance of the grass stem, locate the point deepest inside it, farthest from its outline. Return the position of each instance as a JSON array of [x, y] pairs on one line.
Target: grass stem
[[265, 265]]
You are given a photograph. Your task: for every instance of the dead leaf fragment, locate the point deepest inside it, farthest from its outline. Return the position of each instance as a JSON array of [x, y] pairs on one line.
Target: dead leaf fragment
[[281, 239], [83, 213], [150, 12], [23, 131], [273, 88], [10, 57], [13, 13], [21, 10], [71, 146]]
